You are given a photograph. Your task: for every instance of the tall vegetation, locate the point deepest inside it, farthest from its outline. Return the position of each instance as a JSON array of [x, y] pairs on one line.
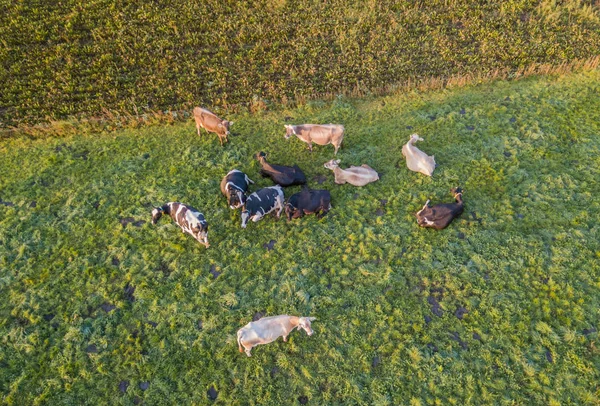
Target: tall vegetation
[[77, 57]]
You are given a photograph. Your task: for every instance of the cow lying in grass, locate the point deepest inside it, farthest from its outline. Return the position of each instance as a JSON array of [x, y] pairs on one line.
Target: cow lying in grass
[[441, 215], [308, 201], [211, 123], [189, 219], [321, 134], [269, 329], [355, 175], [261, 203], [417, 160], [234, 186], [281, 175]]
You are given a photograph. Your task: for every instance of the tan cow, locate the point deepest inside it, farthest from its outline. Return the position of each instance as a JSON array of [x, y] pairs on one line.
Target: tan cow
[[269, 329], [417, 160], [211, 123], [320, 134], [355, 175]]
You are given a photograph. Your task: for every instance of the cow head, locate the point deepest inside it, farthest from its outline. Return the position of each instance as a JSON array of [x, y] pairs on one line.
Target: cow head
[[157, 214], [415, 137], [289, 211], [289, 131], [245, 217], [200, 233], [236, 198], [457, 192], [304, 324], [332, 164], [261, 157], [225, 126]]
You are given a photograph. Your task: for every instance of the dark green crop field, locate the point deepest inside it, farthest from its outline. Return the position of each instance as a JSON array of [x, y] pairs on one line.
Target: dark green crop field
[[100, 307], [89, 58]]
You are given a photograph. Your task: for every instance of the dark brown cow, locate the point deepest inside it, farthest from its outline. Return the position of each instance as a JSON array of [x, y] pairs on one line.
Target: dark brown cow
[[308, 201], [441, 215], [211, 123], [282, 175]]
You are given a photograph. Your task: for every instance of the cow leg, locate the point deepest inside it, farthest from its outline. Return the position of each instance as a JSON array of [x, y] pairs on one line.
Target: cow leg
[[336, 149], [249, 180], [248, 351], [310, 146], [280, 204], [285, 339], [198, 128]]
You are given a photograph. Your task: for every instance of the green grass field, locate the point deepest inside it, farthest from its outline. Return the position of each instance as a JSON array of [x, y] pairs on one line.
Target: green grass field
[[102, 57], [502, 307]]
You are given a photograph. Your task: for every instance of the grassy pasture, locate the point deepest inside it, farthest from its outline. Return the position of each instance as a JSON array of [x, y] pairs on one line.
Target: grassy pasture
[[100, 307], [87, 58]]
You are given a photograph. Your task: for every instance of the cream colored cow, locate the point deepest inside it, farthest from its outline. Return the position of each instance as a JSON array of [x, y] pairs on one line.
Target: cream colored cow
[[320, 134], [269, 329], [355, 175], [417, 160]]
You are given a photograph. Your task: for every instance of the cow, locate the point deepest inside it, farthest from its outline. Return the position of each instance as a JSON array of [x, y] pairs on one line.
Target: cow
[[355, 175], [211, 123], [441, 215], [281, 175], [189, 219], [321, 134], [261, 203], [417, 160], [269, 329], [308, 201], [234, 186]]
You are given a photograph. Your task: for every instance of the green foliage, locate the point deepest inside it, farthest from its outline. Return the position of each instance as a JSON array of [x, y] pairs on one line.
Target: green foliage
[[89, 306], [74, 57]]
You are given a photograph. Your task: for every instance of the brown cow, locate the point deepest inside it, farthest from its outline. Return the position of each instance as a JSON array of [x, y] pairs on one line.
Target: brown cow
[[211, 123], [320, 134]]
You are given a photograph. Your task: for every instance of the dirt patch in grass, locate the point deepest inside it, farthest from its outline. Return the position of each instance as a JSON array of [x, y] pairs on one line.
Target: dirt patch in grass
[[123, 385], [213, 271], [269, 246], [129, 293], [107, 307], [212, 393]]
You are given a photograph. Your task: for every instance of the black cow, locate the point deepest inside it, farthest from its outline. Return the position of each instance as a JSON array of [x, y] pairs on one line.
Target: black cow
[[281, 175], [308, 201], [189, 219], [234, 186], [440, 215], [262, 202]]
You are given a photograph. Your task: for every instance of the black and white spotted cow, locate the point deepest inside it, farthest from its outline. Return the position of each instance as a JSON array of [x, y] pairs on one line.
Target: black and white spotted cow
[[261, 203], [189, 219], [234, 186]]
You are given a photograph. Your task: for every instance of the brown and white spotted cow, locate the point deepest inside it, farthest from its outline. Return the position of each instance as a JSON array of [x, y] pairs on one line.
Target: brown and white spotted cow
[[189, 219]]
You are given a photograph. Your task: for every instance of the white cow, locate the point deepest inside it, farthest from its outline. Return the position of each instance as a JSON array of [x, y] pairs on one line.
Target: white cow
[[269, 329]]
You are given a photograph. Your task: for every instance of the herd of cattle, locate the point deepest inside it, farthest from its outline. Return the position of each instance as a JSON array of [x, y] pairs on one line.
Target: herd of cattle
[[235, 185]]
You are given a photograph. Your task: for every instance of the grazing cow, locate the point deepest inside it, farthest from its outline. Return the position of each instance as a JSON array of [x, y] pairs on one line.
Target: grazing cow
[[308, 201], [269, 329], [261, 203], [355, 175], [320, 134], [211, 123], [234, 186], [282, 175], [417, 160], [189, 219], [440, 215]]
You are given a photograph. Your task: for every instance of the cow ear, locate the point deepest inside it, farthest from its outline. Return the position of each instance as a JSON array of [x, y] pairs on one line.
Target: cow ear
[[337, 161], [312, 318]]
